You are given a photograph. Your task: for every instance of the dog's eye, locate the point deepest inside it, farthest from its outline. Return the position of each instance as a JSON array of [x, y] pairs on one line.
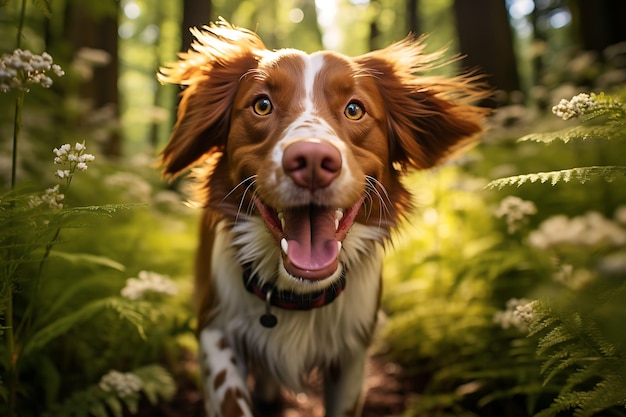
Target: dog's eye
[[354, 111], [263, 106]]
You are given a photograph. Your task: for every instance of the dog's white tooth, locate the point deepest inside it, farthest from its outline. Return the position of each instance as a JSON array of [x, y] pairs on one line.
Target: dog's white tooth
[[284, 245], [281, 217], [338, 217], [339, 245]]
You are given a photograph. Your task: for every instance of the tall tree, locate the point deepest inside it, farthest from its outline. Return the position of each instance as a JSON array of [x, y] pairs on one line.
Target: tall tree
[[600, 23], [486, 40], [94, 25], [195, 13], [412, 18]]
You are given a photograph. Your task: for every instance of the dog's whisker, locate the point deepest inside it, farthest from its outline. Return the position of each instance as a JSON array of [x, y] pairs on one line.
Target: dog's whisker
[[375, 186], [384, 201], [243, 196], [242, 182], [250, 208]]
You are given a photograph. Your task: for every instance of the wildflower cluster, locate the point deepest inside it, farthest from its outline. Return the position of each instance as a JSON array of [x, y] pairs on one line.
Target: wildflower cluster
[[22, 67], [589, 230], [71, 158], [52, 198], [148, 282], [515, 211], [123, 384], [584, 103], [575, 278], [518, 314]]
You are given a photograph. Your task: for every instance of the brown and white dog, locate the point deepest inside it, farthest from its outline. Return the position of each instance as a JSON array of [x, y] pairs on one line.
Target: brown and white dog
[[303, 156]]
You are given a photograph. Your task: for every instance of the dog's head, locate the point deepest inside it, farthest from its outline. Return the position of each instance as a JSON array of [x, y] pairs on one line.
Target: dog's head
[[312, 144]]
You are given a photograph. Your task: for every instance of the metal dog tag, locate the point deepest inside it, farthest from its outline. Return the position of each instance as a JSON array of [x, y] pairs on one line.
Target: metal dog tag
[[268, 320]]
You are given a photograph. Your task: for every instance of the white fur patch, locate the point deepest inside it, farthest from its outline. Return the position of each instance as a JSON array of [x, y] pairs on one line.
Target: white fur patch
[[302, 339], [310, 125], [221, 373]]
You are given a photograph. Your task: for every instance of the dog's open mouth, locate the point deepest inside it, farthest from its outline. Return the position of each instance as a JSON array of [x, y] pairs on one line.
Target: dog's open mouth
[[310, 237]]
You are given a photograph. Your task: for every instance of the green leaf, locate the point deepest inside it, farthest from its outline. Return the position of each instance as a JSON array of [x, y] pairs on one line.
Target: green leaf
[[98, 410], [582, 174], [126, 309], [115, 405], [157, 383], [79, 258], [601, 132], [44, 6]]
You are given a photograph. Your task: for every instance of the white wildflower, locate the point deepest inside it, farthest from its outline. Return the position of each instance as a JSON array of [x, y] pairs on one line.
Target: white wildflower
[[524, 312], [620, 215], [584, 103], [124, 384], [515, 210], [62, 173], [589, 230], [148, 282], [129, 186], [574, 278], [518, 314], [73, 158], [22, 67], [53, 198]]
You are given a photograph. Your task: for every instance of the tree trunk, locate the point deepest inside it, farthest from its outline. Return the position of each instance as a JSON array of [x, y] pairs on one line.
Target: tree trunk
[[600, 23], [196, 13], [412, 18], [87, 29], [485, 38]]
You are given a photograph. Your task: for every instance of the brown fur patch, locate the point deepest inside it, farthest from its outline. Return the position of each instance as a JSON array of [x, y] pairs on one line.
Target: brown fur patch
[[220, 378], [223, 344], [230, 406]]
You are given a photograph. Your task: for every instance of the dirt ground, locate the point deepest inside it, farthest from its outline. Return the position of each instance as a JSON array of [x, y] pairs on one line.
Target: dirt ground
[[387, 391]]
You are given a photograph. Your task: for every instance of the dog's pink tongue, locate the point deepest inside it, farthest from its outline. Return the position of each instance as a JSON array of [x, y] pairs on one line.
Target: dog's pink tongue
[[310, 233]]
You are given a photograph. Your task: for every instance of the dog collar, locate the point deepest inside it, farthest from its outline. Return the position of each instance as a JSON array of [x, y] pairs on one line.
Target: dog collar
[[288, 300]]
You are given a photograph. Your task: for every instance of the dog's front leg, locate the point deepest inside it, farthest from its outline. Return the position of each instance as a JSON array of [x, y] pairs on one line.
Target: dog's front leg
[[343, 386], [226, 393]]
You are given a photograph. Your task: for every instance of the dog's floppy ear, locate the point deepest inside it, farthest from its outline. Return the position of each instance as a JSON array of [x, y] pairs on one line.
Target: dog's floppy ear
[[209, 72], [429, 117]]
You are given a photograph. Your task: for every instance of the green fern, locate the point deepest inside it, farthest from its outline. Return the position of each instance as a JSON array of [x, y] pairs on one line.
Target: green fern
[[581, 174], [98, 401], [132, 311], [592, 370], [603, 118], [581, 132]]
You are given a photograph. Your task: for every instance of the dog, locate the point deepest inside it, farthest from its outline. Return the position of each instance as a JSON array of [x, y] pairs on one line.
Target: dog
[[301, 158]]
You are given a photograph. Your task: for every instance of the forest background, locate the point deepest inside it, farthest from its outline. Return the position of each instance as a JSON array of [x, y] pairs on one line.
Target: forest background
[[503, 297]]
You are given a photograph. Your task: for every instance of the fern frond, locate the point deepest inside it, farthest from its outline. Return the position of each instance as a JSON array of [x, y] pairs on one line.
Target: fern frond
[[88, 258], [579, 132], [554, 339], [44, 6], [582, 174], [592, 369], [133, 312], [603, 396], [555, 364], [156, 384]]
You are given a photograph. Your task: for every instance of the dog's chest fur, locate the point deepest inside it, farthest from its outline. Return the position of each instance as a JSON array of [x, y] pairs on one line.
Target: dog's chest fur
[[302, 340]]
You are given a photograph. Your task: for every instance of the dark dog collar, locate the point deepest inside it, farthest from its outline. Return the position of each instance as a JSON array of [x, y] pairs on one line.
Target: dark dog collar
[[289, 300]]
